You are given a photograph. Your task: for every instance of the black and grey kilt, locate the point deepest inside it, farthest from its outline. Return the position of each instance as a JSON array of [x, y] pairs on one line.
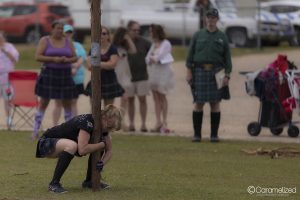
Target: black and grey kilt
[[205, 86], [56, 84], [45, 146], [110, 88]]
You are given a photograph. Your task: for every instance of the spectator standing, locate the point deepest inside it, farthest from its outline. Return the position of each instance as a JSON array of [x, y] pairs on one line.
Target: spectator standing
[[57, 53], [125, 46], [9, 55], [110, 88], [139, 76], [161, 76], [209, 52], [78, 73]]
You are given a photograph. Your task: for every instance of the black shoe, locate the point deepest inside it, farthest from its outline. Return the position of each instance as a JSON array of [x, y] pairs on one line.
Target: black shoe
[[88, 184], [196, 139], [104, 185], [56, 188], [214, 139]]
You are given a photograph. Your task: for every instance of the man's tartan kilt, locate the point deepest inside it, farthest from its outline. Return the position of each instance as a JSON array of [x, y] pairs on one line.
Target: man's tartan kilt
[[205, 86]]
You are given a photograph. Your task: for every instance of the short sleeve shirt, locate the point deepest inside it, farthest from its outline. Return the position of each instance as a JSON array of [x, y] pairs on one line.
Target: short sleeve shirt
[[108, 74], [70, 129], [137, 63]]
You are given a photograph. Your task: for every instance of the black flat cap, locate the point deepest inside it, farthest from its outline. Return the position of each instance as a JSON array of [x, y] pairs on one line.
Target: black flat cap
[[212, 12]]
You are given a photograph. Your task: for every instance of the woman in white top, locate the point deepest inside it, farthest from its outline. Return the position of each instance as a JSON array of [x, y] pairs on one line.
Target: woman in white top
[[161, 76]]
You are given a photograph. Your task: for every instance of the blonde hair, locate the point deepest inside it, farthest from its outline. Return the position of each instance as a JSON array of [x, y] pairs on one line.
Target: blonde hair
[[111, 111]]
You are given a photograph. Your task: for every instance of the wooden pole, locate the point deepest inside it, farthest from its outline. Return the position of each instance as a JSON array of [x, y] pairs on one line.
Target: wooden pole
[[96, 86], [203, 5]]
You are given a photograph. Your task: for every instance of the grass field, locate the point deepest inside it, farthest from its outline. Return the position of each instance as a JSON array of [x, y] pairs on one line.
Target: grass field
[[151, 168]]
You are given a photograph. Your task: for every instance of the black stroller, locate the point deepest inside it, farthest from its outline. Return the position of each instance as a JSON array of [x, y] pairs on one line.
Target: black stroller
[[271, 87]]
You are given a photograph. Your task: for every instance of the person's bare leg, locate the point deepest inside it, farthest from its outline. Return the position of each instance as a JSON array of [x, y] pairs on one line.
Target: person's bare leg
[[74, 107], [57, 111], [6, 107], [68, 109], [64, 145], [7, 113], [143, 112], [123, 106], [164, 104], [157, 105], [108, 101], [64, 150], [131, 113]]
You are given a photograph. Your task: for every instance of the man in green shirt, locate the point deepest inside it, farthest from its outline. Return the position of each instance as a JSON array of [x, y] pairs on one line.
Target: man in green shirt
[[209, 53]]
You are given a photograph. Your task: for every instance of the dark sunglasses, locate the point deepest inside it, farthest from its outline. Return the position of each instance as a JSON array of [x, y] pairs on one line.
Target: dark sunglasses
[[104, 33], [135, 30]]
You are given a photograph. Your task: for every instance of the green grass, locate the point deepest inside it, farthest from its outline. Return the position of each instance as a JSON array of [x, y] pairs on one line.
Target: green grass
[[180, 52], [150, 168]]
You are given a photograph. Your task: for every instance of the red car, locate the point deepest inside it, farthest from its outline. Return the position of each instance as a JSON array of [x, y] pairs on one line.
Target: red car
[[28, 21]]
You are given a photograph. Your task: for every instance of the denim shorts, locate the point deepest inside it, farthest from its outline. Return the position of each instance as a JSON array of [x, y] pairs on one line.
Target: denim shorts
[[45, 146]]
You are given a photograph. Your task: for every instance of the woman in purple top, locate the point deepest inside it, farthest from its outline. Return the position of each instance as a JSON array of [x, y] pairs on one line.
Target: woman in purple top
[[56, 53]]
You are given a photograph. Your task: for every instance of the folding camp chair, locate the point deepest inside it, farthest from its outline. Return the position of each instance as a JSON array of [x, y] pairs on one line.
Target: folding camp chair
[[24, 101]]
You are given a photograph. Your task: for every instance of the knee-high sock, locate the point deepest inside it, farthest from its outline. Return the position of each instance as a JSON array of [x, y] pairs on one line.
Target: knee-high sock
[[68, 115], [215, 118], [38, 121], [197, 122], [62, 164]]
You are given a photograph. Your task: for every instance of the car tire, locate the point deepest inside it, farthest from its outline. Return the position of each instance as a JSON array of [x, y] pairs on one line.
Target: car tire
[[297, 30]]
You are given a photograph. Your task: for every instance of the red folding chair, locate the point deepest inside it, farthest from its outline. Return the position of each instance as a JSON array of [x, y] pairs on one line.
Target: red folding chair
[[23, 101]]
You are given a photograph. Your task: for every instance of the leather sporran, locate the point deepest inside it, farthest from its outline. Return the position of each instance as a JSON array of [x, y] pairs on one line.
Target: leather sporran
[[225, 92]]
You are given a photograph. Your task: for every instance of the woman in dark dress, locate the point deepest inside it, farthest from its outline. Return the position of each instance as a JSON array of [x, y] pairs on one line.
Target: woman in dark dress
[[110, 88]]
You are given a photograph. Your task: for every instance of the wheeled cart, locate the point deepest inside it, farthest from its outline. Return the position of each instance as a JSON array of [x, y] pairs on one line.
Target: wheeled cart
[[273, 86], [273, 116]]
